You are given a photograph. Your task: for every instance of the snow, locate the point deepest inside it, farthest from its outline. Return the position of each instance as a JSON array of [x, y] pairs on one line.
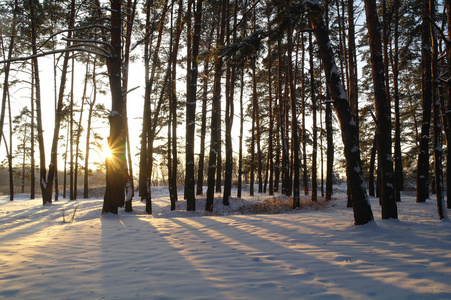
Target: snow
[[300, 254]]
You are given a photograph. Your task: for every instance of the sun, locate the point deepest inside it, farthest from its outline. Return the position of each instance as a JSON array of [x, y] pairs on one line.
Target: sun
[[106, 152]]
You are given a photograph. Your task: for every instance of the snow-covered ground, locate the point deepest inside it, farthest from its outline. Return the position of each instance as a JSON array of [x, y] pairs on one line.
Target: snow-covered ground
[[305, 254]]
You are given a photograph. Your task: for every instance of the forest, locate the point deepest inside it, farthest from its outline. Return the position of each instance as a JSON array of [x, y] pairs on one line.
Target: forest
[[286, 96]]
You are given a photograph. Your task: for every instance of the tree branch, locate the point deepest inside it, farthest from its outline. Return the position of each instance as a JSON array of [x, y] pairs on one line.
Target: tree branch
[[23, 58]]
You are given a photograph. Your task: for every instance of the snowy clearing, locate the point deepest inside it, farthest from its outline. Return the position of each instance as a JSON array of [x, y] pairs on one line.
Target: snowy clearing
[[302, 254]]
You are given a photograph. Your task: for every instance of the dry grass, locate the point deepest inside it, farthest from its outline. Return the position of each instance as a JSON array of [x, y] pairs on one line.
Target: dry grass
[[281, 204]]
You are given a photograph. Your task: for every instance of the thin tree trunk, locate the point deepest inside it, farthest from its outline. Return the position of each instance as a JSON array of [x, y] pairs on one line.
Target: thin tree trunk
[[285, 155], [240, 151], [37, 83], [32, 138], [65, 164], [371, 182], [438, 171], [252, 163], [130, 17], [230, 91], [315, 128], [10, 168], [8, 65], [146, 159], [191, 110], [303, 129], [23, 160], [294, 122], [71, 133], [423, 154], [448, 111], [203, 130], [88, 131], [79, 128], [271, 119], [399, 177], [329, 126], [215, 146]]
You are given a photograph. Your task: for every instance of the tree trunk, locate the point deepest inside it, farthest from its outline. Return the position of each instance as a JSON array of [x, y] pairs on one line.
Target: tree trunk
[[371, 182], [382, 106], [315, 129], [79, 129], [271, 119], [191, 111], [116, 166], [8, 65], [32, 138], [88, 131], [215, 146], [282, 104], [173, 180], [438, 171], [448, 111], [423, 154], [203, 130], [399, 177], [229, 113], [37, 85], [252, 163], [303, 129], [146, 159], [240, 151], [361, 205], [130, 18], [71, 133], [294, 122]]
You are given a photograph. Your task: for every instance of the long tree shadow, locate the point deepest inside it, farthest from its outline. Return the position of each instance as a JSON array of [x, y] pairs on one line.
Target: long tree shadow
[[158, 267], [324, 260]]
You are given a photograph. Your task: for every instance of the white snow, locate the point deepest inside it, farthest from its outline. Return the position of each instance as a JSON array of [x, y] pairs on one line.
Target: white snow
[[114, 113], [129, 192], [301, 254]]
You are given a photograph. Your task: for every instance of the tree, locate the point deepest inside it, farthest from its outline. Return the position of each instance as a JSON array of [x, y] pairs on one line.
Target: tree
[[116, 166], [191, 109], [438, 171], [8, 66], [448, 111], [37, 85], [361, 205], [382, 106], [215, 145], [149, 125], [423, 151], [294, 122]]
